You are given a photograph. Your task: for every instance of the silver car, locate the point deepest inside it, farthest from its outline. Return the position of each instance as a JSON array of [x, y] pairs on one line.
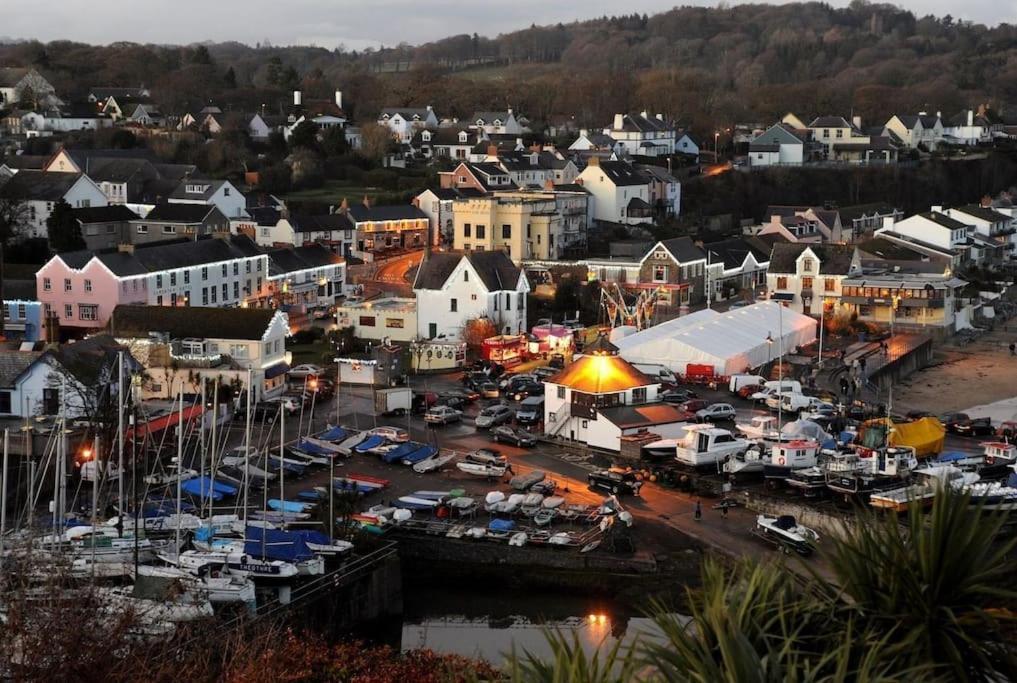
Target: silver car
[[492, 416]]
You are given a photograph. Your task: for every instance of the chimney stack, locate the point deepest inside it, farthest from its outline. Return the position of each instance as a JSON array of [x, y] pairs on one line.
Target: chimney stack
[[660, 117], [971, 118], [619, 121], [856, 121], [339, 98], [492, 151], [297, 98], [344, 207], [593, 161], [125, 248]]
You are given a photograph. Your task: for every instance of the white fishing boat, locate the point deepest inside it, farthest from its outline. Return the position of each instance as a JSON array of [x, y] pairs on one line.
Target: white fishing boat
[[788, 456], [928, 482], [167, 478], [749, 461], [238, 563], [481, 470], [706, 446], [435, 462], [993, 496], [760, 427], [217, 584], [786, 533]]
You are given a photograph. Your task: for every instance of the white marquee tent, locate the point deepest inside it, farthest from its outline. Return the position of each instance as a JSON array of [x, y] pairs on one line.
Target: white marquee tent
[[730, 342]]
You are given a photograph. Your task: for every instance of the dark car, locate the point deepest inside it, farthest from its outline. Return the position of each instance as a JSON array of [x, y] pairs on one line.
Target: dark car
[[695, 405], [422, 401], [557, 361], [677, 396], [953, 420], [615, 481], [451, 400], [975, 426], [545, 373], [527, 389], [516, 437]]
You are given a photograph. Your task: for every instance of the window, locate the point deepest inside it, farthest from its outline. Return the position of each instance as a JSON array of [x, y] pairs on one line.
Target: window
[[782, 282], [5, 402], [47, 286], [829, 285], [467, 230], [225, 192], [394, 323], [214, 291], [561, 393], [660, 273], [158, 300], [236, 289], [521, 303], [506, 232], [453, 305], [224, 270], [169, 229], [508, 302], [173, 299], [238, 350], [68, 311], [266, 349], [142, 229], [88, 312], [67, 284], [173, 279], [806, 283], [158, 281], [466, 276], [367, 321], [840, 132], [187, 277], [639, 395], [247, 266], [481, 232], [204, 272], [88, 285], [225, 291], [807, 265], [7, 312], [473, 297], [236, 268], [204, 296], [22, 312]]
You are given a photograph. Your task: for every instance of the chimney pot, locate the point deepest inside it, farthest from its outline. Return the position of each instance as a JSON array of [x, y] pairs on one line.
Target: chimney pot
[[492, 151], [367, 201], [339, 98], [125, 248], [660, 117], [297, 98], [619, 121], [593, 161]]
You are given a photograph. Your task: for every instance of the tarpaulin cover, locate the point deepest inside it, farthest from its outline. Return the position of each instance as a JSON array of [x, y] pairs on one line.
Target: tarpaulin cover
[[804, 429], [277, 545], [311, 536], [369, 443], [397, 453], [333, 434], [287, 505], [501, 525], [200, 486], [926, 435], [422, 453], [731, 342]]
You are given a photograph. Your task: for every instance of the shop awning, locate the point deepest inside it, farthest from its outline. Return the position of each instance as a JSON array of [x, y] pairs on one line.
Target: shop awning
[[782, 296], [274, 371]]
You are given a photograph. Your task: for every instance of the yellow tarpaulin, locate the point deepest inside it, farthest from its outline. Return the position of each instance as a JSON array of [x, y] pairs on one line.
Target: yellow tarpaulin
[[926, 435]]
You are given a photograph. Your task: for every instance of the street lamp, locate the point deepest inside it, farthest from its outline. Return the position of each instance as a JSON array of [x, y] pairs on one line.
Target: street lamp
[[716, 142]]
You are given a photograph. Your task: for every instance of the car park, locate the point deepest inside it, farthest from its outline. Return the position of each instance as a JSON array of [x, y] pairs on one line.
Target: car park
[[391, 433], [516, 437], [442, 415], [305, 370], [543, 374], [716, 412], [510, 383], [492, 416], [488, 389], [748, 390], [615, 481]]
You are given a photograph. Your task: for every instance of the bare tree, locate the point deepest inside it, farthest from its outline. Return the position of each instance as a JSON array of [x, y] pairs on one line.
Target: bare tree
[[13, 218]]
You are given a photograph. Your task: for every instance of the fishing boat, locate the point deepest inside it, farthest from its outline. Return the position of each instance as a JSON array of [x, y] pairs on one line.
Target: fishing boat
[[422, 454], [788, 456], [760, 428], [237, 563], [749, 461], [994, 496], [216, 583], [786, 533], [434, 462], [810, 482], [881, 469], [481, 470], [1000, 459], [928, 482]]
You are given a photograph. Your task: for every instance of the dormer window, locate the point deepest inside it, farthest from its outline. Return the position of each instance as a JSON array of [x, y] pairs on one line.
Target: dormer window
[[463, 136], [196, 189], [426, 136], [807, 265]]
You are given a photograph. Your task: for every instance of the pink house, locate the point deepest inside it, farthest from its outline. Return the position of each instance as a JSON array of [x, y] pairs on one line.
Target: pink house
[[83, 293]]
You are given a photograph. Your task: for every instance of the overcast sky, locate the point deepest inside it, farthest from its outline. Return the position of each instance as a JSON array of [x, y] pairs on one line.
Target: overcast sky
[[353, 23]]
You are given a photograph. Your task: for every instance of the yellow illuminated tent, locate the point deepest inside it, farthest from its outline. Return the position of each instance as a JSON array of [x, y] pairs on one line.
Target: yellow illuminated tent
[[926, 435]]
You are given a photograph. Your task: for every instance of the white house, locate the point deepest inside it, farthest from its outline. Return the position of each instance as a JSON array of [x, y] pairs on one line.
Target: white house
[[405, 121], [971, 127], [988, 224], [904, 300], [438, 205], [16, 83], [933, 229], [390, 318], [600, 398], [454, 288], [642, 134], [220, 193], [621, 191], [807, 277], [592, 142], [309, 275], [192, 345], [42, 191], [916, 130], [497, 123], [780, 144], [686, 144]]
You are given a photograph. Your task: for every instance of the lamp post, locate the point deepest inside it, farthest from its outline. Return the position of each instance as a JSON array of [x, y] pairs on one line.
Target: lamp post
[[716, 143], [769, 347], [822, 324]]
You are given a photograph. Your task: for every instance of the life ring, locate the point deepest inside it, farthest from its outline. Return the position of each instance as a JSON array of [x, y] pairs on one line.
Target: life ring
[[781, 460], [990, 460]]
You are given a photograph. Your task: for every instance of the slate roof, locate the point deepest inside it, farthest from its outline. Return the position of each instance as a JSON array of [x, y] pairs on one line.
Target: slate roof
[[159, 256], [198, 322], [87, 360], [85, 157], [984, 214], [602, 140], [830, 122], [387, 212], [645, 415], [104, 214], [849, 214], [444, 136], [734, 251], [683, 249], [622, 174], [637, 123], [323, 223], [25, 162], [834, 259], [292, 259], [11, 76], [407, 112], [39, 185], [20, 290], [265, 215], [212, 186], [944, 220], [14, 363], [489, 117], [118, 170], [658, 173], [179, 213], [495, 268]]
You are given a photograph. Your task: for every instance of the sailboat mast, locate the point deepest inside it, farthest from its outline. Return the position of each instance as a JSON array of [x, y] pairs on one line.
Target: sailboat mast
[[120, 439], [247, 441], [180, 460], [215, 442], [3, 502], [780, 371], [282, 468], [201, 437], [95, 495]]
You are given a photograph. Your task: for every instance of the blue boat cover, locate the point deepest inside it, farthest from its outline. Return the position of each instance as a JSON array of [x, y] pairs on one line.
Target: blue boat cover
[[276, 544], [846, 437], [312, 536], [370, 442], [345, 486], [287, 505], [203, 533], [1011, 481], [313, 449], [397, 453], [501, 525], [310, 495], [422, 453], [332, 434], [200, 487], [952, 456]]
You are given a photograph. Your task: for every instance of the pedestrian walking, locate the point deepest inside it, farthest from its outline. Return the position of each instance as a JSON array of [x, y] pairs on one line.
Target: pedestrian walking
[[508, 468], [1013, 349], [861, 366], [723, 512], [699, 511]]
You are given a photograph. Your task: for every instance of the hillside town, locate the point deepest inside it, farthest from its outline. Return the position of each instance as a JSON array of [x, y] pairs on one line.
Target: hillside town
[[254, 361]]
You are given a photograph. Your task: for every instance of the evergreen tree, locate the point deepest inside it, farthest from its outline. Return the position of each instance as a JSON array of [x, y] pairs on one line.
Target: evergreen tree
[[230, 79], [64, 230]]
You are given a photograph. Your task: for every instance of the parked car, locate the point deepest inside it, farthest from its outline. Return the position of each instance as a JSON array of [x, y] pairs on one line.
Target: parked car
[[486, 456], [677, 396], [615, 481], [442, 415], [305, 370], [975, 426], [422, 401], [488, 389], [819, 412], [492, 416], [391, 433], [544, 373], [527, 389], [716, 412], [557, 361], [508, 384], [952, 420], [694, 406], [531, 411], [516, 437], [748, 390], [452, 401]]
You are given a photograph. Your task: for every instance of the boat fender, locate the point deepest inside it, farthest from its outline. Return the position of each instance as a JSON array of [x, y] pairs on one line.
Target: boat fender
[[781, 460]]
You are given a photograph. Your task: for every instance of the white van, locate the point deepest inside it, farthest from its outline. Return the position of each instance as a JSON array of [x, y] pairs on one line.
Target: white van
[[738, 381], [661, 373], [775, 387]]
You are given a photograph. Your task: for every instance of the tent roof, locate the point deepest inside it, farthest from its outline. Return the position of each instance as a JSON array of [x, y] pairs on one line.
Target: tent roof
[[600, 374]]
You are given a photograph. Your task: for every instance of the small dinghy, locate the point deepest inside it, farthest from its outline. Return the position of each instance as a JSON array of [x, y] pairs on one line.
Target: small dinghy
[[422, 454], [786, 533], [346, 445], [480, 470], [414, 503], [475, 532], [531, 504], [518, 540], [435, 462], [548, 510], [369, 444]]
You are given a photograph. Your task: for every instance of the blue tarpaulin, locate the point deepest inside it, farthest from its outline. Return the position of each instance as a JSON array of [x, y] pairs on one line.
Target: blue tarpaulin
[[333, 434], [313, 449], [200, 487], [501, 525], [422, 453], [276, 544], [287, 505], [369, 443], [397, 453], [311, 536]]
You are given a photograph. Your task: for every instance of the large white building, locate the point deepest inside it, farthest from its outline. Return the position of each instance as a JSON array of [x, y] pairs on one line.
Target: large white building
[[404, 122], [621, 192], [807, 277], [453, 289], [642, 134], [42, 191]]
